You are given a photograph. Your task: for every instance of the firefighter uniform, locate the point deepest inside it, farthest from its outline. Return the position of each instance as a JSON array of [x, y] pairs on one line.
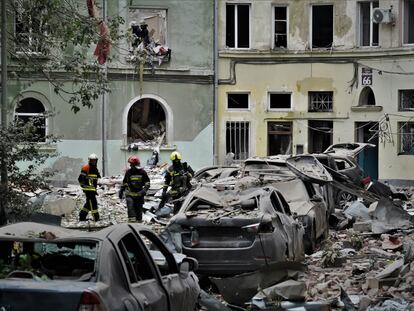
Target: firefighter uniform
[[88, 180], [135, 185]]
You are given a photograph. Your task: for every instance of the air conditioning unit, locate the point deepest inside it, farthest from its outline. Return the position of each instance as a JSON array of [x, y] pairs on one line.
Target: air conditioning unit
[[382, 16]]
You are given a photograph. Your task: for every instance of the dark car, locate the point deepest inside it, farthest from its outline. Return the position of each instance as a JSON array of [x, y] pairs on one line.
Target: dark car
[[233, 231], [301, 195], [45, 267]]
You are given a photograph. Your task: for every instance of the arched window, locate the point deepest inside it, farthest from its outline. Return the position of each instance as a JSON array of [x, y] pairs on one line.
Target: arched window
[[146, 124], [32, 110], [367, 97]]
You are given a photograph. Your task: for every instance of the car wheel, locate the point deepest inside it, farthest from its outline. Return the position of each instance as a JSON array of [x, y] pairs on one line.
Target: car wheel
[[343, 198]]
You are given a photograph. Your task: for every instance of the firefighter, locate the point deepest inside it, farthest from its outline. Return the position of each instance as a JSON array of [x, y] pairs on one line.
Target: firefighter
[[135, 185], [178, 176], [88, 180]]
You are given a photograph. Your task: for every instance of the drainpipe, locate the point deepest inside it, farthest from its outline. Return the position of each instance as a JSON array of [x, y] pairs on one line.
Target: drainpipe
[[103, 123], [215, 93], [3, 169]]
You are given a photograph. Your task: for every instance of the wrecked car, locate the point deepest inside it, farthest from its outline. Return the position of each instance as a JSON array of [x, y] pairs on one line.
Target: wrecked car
[[233, 231], [49, 267], [301, 195]]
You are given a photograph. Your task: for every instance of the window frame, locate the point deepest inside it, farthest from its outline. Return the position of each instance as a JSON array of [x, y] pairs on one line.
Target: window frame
[[310, 101], [400, 92], [247, 141], [360, 24], [404, 26], [236, 37], [311, 25], [278, 109], [34, 114], [274, 25], [241, 93], [401, 137]]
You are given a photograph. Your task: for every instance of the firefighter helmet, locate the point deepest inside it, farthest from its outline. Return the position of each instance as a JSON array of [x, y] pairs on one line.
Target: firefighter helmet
[[134, 160], [93, 158], [175, 156]]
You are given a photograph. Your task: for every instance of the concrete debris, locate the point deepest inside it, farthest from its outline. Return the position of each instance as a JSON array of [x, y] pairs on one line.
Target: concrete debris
[[392, 305], [391, 242], [387, 216], [288, 290]]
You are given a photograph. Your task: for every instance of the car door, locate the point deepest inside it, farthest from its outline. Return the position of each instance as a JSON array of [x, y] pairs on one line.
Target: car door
[[183, 288], [140, 272]]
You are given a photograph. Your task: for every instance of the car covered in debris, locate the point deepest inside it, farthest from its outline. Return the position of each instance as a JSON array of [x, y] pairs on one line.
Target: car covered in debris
[[122, 267], [301, 194], [233, 229]]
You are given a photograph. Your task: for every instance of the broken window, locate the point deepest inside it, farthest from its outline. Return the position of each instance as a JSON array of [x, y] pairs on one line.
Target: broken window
[[406, 137], [146, 124], [30, 27], [406, 100], [320, 101], [238, 25], [368, 30], [279, 138], [367, 97], [238, 101], [408, 21], [322, 26], [48, 261], [237, 139], [320, 135], [148, 34], [281, 26], [31, 112], [280, 101]]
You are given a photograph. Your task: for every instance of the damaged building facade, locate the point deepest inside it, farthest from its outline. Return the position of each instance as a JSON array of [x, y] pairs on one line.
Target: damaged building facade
[[171, 107], [297, 76]]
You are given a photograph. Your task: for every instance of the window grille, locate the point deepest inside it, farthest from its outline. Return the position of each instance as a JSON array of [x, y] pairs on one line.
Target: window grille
[[320, 101], [406, 137], [237, 139], [406, 100]]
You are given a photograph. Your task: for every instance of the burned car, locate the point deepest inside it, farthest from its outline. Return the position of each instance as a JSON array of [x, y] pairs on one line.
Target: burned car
[[48, 267], [233, 229], [301, 194]]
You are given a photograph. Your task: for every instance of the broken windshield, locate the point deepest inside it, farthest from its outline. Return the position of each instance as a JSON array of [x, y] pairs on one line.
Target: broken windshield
[[47, 260]]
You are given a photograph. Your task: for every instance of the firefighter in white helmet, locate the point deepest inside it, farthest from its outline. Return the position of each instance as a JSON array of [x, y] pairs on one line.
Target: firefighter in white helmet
[[88, 180]]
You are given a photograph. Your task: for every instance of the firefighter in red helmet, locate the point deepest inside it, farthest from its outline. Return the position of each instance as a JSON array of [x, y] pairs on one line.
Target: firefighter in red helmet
[[88, 180], [135, 185]]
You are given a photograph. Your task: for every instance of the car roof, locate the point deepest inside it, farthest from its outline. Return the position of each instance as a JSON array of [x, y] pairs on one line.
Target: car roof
[[32, 231]]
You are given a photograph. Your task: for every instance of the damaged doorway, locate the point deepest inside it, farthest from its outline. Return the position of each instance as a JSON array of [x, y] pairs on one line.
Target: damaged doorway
[[319, 135], [368, 159], [146, 123], [279, 138]]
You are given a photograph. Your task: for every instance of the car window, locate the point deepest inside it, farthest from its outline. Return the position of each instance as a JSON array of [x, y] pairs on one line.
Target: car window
[[293, 190], [285, 205], [73, 260], [137, 263], [161, 256], [276, 203], [342, 164]]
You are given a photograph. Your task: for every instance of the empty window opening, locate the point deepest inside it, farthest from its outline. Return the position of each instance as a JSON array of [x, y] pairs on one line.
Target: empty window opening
[[320, 101], [238, 25], [31, 112], [279, 138], [368, 29], [320, 135], [406, 100], [322, 26], [238, 101], [146, 123], [281, 27], [30, 27], [237, 139], [367, 97], [406, 137], [280, 101], [408, 21]]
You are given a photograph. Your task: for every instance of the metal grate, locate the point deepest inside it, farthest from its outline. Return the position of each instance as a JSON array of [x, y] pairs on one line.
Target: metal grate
[[320, 101], [237, 139], [407, 138]]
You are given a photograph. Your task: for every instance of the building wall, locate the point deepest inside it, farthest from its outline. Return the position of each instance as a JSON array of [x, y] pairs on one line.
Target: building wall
[[183, 86], [299, 69]]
